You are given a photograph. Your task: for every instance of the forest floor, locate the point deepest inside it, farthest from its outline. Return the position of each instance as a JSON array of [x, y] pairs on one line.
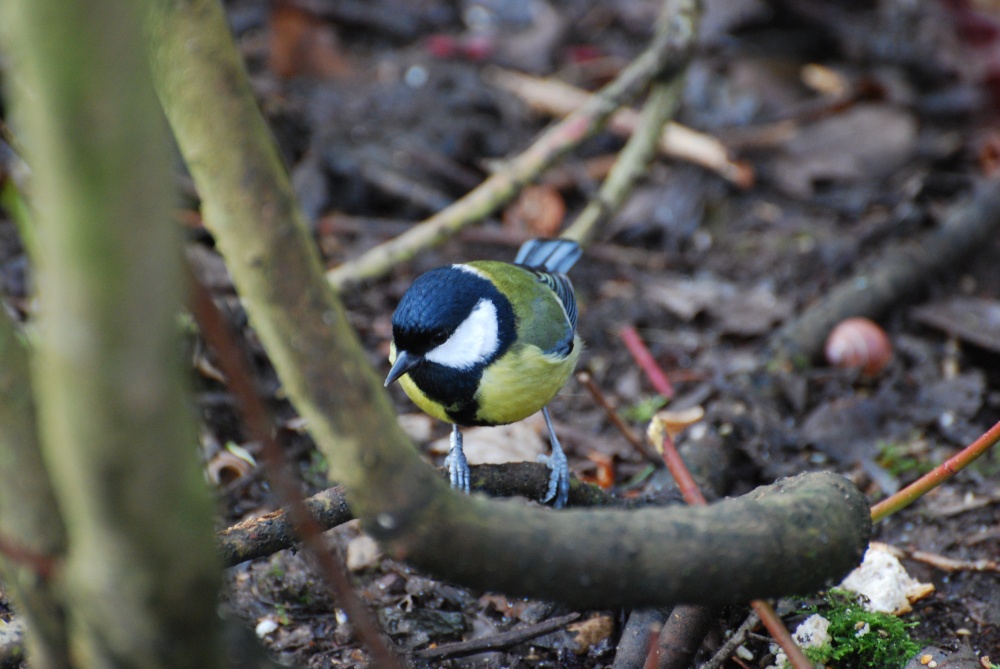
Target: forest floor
[[862, 126]]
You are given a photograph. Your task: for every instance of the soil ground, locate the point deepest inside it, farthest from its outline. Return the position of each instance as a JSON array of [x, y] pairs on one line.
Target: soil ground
[[863, 124]]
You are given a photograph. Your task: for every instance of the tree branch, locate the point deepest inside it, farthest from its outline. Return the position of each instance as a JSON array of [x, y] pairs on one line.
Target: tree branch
[[897, 273], [140, 573]]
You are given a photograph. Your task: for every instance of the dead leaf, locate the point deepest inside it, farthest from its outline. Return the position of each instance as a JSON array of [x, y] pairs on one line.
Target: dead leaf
[[741, 311], [539, 210], [518, 442], [302, 44], [590, 632], [971, 319], [869, 141], [362, 552]]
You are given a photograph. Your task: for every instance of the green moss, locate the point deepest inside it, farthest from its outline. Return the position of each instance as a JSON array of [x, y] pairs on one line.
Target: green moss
[[862, 639], [898, 460], [644, 410]]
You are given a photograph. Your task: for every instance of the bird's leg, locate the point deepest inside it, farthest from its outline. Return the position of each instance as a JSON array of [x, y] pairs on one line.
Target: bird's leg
[[558, 492], [458, 466]]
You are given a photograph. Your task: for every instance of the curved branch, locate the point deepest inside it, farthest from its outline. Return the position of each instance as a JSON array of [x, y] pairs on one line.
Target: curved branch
[[619, 557]]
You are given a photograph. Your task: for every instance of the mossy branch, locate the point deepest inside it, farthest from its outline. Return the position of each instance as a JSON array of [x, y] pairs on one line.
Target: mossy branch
[[139, 577]]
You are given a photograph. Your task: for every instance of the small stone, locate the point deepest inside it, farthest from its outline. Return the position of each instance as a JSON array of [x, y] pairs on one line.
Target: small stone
[[265, 626]]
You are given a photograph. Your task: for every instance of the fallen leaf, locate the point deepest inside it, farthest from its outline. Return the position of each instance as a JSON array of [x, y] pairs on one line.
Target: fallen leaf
[[588, 633], [539, 210], [869, 141], [302, 44], [518, 442], [362, 552]]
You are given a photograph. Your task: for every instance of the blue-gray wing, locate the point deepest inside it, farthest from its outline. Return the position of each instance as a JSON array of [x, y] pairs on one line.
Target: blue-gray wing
[[556, 256], [550, 259], [563, 288]]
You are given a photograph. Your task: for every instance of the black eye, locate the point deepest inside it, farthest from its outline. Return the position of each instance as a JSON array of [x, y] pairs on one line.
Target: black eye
[[439, 338]]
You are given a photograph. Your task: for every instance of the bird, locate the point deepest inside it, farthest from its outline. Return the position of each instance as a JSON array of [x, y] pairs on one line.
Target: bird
[[491, 343]]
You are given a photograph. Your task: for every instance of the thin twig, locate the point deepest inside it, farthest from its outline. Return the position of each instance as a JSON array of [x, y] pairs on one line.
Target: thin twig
[[670, 49], [780, 634], [587, 381], [936, 476], [331, 567], [647, 363], [682, 475], [633, 160], [500, 641], [42, 566], [558, 98], [732, 643], [943, 562]]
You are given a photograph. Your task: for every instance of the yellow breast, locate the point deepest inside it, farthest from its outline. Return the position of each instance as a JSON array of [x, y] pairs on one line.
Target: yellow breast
[[522, 382], [513, 388]]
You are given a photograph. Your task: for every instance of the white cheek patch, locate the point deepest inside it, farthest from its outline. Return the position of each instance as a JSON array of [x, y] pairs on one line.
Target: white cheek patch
[[473, 342]]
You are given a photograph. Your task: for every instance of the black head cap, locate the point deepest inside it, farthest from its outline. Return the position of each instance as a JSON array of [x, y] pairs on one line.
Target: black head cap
[[438, 302]]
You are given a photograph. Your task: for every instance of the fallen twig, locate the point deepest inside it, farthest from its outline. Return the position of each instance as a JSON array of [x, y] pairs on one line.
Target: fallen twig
[[647, 363], [682, 635], [897, 273], [936, 476], [635, 644], [587, 381], [732, 643], [265, 535], [500, 641], [669, 49], [632, 162], [558, 98], [943, 562]]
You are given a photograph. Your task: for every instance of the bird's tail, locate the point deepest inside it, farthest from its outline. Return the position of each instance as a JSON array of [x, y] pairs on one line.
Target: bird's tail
[[550, 255]]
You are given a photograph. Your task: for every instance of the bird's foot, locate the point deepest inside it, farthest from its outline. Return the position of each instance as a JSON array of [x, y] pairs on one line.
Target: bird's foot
[[558, 492], [458, 466]]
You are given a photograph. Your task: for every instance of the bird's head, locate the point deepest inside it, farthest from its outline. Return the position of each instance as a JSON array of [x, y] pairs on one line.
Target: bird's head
[[453, 317]]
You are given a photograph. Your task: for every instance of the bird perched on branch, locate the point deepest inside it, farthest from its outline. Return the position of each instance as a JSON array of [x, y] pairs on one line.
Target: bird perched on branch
[[490, 343]]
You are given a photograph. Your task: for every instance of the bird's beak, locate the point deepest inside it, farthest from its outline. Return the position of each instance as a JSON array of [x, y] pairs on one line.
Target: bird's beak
[[404, 362]]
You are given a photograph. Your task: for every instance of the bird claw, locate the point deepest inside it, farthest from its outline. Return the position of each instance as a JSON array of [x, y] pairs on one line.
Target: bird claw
[[558, 492], [458, 466]]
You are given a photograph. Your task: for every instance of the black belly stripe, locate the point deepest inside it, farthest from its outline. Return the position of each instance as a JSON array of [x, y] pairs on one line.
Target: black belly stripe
[[455, 391]]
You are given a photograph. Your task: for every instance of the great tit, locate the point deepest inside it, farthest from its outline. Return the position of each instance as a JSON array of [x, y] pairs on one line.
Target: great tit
[[490, 343]]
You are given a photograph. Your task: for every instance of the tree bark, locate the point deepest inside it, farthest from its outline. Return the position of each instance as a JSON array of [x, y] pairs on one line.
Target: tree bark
[[140, 573]]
